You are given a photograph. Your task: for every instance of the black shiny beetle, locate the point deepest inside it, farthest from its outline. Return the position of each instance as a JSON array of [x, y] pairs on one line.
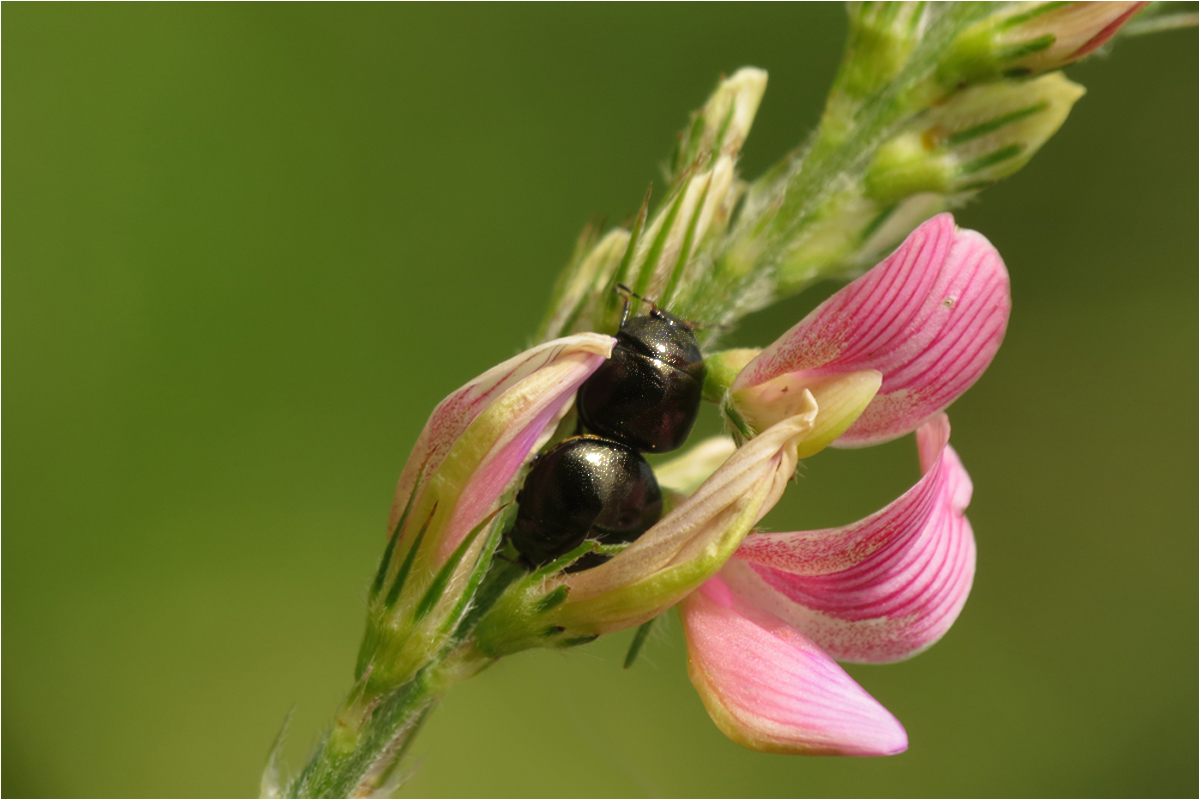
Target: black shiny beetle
[[645, 398], [585, 487], [648, 394]]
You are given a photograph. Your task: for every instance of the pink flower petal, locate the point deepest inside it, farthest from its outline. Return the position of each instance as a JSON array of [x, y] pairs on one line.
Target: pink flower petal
[[930, 317], [881, 589], [770, 688], [535, 387], [496, 471]]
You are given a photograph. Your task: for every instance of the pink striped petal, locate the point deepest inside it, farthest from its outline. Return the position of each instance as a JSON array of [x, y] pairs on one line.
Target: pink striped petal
[[881, 589], [770, 688], [504, 413], [1076, 29], [930, 317], [538, 408]]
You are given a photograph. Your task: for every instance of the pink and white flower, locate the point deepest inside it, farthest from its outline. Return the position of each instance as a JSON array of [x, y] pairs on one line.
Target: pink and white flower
[[763, 635], [927, 320]]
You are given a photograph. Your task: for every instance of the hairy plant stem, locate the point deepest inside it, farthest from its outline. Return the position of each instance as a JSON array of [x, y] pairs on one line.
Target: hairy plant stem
[[374, 728]]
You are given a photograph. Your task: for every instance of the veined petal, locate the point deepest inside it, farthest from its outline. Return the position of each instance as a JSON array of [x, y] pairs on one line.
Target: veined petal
[[478, 437], [841, 400], [768, 687], [1074, 30], [930, 318], [684, 473], [883, 588]]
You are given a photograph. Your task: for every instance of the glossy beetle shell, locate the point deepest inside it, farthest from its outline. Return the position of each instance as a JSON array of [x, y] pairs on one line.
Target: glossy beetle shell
[[647, 394], [585, 487]]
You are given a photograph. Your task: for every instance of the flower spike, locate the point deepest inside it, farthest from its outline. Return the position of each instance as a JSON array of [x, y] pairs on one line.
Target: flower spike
[[933, 103]]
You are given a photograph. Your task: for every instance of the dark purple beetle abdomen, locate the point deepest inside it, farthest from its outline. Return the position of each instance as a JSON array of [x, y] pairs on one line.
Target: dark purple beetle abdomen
[[585, 487], [645, 398]]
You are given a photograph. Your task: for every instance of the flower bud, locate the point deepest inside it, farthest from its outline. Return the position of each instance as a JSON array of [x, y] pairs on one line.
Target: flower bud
[[1032, 39], [881, 38], [668, 249], [721, 126], [446, 519], [657, 256], [979, 136], [575, 297], [701, 206]]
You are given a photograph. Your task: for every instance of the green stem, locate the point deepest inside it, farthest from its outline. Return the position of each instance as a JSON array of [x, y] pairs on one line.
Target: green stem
[[386, 708], [374, 729], [369, 736]]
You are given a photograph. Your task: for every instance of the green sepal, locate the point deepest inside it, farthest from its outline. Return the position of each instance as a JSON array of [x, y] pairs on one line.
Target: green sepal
[[402, 574], [482, 566], [609, 320], [562, 562], [685, 252], [554, 598], [639, 639], [650, 262], [438, 587]]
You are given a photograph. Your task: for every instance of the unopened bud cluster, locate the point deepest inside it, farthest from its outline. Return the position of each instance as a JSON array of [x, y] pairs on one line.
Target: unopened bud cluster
[[932, 103]]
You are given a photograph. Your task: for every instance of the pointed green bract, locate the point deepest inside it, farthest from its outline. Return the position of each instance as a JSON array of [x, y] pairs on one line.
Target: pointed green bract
[[563, 561], [482, 566], [639, 639], [406, 566], [438, 587]]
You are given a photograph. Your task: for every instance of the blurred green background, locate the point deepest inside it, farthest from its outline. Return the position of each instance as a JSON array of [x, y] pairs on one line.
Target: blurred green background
[[249, 247]]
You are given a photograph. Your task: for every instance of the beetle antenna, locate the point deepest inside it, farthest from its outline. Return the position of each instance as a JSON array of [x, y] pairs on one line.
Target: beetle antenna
[[629, 294]]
